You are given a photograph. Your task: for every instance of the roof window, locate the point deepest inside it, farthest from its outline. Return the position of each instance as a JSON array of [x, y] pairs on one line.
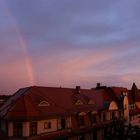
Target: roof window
[[78, 102], [44, 103]]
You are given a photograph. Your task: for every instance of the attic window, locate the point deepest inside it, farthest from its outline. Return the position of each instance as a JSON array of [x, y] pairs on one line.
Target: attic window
[[91, 102], [124, 93], [78, 102], [43, 103]]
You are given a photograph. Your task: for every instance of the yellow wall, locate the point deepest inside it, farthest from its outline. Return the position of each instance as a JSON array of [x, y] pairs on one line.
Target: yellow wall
[[126, 109], [41, 129], [138, 104], [113, 106]]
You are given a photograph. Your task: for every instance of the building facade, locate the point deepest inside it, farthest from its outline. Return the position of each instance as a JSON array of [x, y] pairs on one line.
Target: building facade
[[40, 113]]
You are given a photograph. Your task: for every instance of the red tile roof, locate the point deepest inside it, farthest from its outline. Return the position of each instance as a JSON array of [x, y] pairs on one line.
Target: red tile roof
[[119, 90], [23, 105]]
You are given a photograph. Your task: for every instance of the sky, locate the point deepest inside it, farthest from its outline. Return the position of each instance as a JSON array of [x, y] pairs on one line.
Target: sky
[[68, 43]]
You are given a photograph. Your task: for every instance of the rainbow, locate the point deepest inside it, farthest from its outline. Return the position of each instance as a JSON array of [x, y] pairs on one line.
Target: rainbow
[[23, 45], [27, 59]]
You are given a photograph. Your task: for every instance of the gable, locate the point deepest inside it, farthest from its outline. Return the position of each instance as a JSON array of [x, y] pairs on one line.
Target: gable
[[44, 103], [78, 102], [113, 106]]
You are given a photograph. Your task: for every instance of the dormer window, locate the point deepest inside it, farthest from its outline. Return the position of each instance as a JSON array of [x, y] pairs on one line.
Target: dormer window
[[78, 102], [129, 106], [124, 93], [134, 106], [44, 103]]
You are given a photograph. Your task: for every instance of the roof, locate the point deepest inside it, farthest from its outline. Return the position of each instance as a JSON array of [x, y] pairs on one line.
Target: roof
[[135, 93], [3, 99], [119, 90], [37, 103], [99, 96], [134, 111], [25, 103]]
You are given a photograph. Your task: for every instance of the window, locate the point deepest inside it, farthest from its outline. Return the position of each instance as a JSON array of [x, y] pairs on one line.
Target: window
[[113, 115], [81, 121], [47, 125], [17, 129], [63, 123], [93, 118], [78, 102], [44, 103], [103, 117], [33, 128]]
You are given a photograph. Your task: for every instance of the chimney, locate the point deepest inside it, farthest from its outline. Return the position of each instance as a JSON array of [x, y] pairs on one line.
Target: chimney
[[98, 85], [77, 89]]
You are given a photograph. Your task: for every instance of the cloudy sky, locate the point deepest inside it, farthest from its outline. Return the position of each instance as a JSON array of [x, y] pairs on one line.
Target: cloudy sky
[[68, 43]]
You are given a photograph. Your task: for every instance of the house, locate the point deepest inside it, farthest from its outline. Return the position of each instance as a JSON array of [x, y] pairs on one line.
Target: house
[[134, 105], [129, 100], [53, 113]]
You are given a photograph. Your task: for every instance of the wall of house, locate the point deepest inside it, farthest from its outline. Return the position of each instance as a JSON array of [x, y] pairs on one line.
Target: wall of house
[[10, 129], [113, 106], [135, 120], [55, 125], [138, 104], [108, 117], [42, 129], [67, 121], [85, 136], [25, 129], [126, 108]]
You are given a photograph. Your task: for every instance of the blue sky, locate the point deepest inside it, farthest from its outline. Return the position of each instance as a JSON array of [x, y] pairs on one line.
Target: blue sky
[[68, 43]]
